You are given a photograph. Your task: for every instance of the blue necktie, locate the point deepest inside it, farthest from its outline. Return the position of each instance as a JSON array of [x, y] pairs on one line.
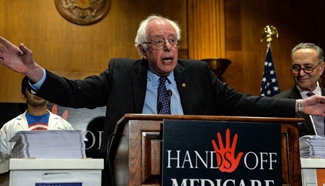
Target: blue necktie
[[163, 99], [318, 120]]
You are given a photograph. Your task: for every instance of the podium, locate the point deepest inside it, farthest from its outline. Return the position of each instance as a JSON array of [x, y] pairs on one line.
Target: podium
[[136, 148]]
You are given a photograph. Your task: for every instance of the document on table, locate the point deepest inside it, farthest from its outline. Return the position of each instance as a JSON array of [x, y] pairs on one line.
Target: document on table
[[45, 144], [312, 146]]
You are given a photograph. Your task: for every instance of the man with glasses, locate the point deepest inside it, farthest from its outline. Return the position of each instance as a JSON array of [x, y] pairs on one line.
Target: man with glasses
[[307, 68], [134, 86]]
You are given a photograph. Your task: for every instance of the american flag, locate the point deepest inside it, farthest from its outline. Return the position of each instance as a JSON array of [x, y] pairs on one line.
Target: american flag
[[269, 85]]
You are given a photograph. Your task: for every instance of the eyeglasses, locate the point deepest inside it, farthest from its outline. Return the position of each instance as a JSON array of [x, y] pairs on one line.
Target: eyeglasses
[[308, 70], [160, 43]]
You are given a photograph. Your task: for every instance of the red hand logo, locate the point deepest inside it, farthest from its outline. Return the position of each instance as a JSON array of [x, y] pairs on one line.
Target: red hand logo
[[225, 155], [55, 111]]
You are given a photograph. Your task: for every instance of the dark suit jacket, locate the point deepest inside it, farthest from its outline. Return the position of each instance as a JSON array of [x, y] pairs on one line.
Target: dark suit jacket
[[122, 88], [305, 128]]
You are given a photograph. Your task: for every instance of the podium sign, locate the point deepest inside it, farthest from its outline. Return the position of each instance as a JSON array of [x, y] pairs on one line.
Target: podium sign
[[216, 153]]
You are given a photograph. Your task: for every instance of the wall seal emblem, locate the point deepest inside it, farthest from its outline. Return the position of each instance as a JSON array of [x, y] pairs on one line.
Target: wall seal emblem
[[83, 12]]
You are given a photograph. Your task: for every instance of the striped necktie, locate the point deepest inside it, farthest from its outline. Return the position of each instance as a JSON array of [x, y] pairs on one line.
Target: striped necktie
[[318, 120]]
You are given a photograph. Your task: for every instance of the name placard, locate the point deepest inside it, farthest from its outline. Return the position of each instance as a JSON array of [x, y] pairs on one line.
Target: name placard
[[220, 153]]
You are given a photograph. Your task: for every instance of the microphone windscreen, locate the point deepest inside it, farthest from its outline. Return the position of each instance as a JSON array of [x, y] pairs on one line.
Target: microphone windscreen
[[169, 93]]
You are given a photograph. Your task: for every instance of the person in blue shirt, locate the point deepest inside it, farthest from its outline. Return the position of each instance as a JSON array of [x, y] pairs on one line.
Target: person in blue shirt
[[36, 117]]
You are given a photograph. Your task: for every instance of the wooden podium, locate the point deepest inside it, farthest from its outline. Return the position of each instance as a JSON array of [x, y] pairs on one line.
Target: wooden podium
[[136, 149]]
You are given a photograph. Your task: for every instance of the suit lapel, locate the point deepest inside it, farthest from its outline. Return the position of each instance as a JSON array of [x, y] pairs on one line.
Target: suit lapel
[[139, 83], [323, 91], [294, 94], [184, 87]]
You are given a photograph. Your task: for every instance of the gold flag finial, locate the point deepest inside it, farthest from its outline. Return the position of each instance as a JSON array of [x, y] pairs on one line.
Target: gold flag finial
[[267, 32]]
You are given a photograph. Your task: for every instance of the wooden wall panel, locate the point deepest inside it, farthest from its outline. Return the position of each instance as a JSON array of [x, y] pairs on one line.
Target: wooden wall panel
[[206, 31], [296, 21], [72, 50], [77, 51]]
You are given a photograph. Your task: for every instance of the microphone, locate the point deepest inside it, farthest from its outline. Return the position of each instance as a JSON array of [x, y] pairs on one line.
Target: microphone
[[169, 93]]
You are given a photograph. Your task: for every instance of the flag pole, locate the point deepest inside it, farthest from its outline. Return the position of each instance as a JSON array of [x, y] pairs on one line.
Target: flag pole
[[269, 85]]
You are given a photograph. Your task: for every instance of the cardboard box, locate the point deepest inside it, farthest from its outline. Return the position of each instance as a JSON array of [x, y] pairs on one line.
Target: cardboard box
[[313, 171], [48, 172]]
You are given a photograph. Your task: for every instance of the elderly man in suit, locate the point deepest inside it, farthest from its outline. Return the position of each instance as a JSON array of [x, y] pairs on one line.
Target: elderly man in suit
[[142, 86], [307, 68]]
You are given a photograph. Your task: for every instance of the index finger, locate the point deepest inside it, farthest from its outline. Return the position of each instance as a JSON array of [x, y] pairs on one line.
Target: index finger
[[7, 45], [5, 42]]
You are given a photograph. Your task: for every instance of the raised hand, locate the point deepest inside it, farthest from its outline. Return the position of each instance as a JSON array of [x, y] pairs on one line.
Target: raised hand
[[19, 59], [225, 155]]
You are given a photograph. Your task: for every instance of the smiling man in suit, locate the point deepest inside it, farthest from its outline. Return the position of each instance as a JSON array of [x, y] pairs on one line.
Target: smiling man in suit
[[307, 68]]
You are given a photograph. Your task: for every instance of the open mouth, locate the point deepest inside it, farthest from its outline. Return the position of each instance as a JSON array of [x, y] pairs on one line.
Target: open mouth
[[167, 60]]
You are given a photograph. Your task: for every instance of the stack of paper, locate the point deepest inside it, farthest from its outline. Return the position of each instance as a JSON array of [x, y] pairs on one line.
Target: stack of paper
[[46, 144], [312, 146]]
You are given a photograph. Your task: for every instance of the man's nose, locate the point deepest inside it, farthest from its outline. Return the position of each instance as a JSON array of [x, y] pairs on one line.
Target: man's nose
[[167, 46], [302, 71]]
